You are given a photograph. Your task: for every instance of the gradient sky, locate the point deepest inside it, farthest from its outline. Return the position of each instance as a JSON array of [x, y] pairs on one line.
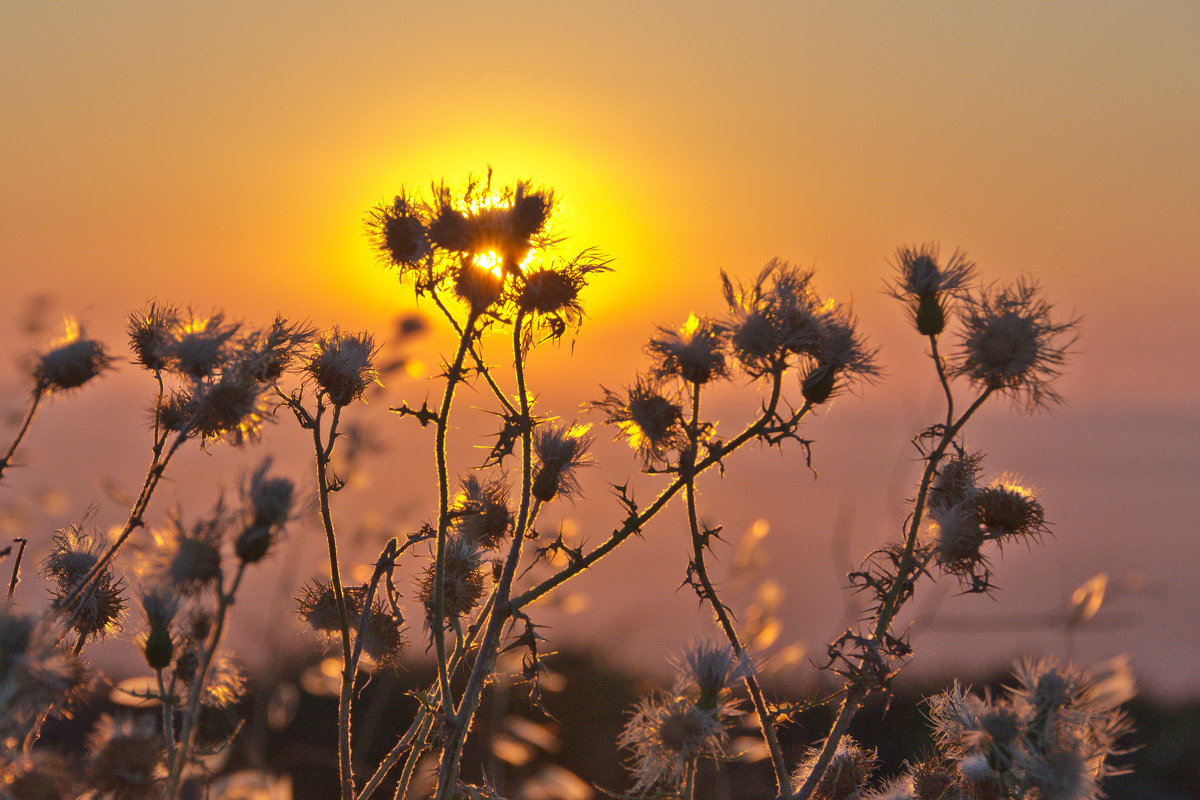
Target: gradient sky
[[223, 154]]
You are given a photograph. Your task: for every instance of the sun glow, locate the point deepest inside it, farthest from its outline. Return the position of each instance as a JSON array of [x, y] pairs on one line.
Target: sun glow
[[490, 260], [71, 332]]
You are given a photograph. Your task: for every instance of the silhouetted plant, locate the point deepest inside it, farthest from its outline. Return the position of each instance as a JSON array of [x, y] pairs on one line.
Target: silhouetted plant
[[488, 260]]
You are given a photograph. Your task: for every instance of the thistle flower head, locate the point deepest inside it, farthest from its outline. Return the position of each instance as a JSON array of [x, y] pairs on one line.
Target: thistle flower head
[[666, 733], [928, 287], [560, 450], [1010, 343], [36, 674], [479, 281], [124, 757], [189, 557], [152, 334], [71, 362], [955, 480], [840, 357], [695, 353], [268, 503], [266, 354], [398, 233], [551, 294], [712, 669], [481, 513], [342, 365], [846, 776], [463, 580], [201, 346], [649, 417], [775, 316], [160, 605], [1008, 509], [74, 550], [231, 407], [957, 538]]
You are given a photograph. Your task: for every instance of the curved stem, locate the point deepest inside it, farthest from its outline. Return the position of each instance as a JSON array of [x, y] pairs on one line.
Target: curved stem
[[941, 371], [635, 523], [35, 400], [196, 689], [158, 465], [324, 452], [438, 623], [710, 593], [480, 365], [892, 602]]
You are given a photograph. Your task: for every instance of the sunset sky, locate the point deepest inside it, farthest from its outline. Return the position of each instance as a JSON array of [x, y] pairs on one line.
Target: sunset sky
[[224, 154]]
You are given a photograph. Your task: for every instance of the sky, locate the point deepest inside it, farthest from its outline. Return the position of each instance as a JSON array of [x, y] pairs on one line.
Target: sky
[[224, 154]]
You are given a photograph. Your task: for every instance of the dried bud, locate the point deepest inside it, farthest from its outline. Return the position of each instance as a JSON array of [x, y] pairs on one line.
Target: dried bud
[[560, 451], [71, 362], [342, 366]]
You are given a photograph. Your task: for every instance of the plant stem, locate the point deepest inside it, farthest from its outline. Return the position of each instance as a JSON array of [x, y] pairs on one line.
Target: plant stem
[[196, 689], [439, 573], [35, 400], [324, 452], [16, 570], [635, 523], [892, 603], [698, 546], [485, 660]]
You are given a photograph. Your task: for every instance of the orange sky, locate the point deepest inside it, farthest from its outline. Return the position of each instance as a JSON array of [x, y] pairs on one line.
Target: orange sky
[[224, 153]]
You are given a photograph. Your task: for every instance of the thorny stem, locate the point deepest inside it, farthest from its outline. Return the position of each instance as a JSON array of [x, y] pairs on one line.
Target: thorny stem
[[941, 371], [323, 454], [710, 594], [439, 572], [16, 570], [158, 465], [486, 658], [35, 400], [168, 711], [196, 689], [480, 365], [635, 523], [892, 603]]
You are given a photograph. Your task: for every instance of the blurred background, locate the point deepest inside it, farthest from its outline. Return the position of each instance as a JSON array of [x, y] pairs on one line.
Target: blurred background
[[223, 156]]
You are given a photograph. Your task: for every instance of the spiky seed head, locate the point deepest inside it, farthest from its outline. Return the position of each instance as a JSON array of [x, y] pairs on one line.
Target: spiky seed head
[[190, 556], [71, 362], [152, 334], [229, 408], [955, 481], [269, 498], [398, 233], [449, 228], [531, 209], [202, 346], [342, 366], [481, 512], [650, 418], [463, 580], [318, 606], [160, 605], [560, 450], [1011, 344], [1008, 509], [695, 353], [713, 670], [665, 734], [957, 537], [478, 285], [124, 756], [74, 551], [546, 291], [266, 354], [846, 775], [841, 356], [928, 287]]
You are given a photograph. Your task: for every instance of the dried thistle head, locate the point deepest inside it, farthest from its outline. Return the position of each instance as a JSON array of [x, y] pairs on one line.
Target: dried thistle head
[[36, 674], [231, 408], [342, 365], [694, 353], [160, 604], [188, 559], [777, 315], [202, 345], [269, 352], [927, 287], [463, 580], [649, 417], [481, 513], [1009, 510], [840, 358], [125, 757], [551, 294], [71, 361], [1010, 343], [846, 776], [712, 670], [665, 734], [74, 551], [955, 480], [152, 334], [560, 450], [398, 232]]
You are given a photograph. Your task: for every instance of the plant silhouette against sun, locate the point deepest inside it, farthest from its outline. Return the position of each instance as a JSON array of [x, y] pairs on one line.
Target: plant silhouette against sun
[[488, 259]]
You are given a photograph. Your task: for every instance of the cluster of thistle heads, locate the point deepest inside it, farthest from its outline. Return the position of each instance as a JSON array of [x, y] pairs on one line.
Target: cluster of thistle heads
[[488, 248]]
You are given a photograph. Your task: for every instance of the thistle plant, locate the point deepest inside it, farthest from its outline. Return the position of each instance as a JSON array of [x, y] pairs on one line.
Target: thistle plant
[[489, 260]]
